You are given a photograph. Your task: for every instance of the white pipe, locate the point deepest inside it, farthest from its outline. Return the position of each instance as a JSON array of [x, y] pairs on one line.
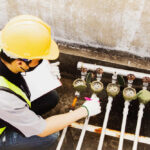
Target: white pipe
[[77, 93], [110, 132], [108, 108], [140, 115], [125, 113], [62, 138], [84, 128], [111, 70], [82, 133]]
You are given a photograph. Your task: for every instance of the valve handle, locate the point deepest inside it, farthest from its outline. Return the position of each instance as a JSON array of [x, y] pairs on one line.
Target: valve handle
[[146, 79], [131, 76]]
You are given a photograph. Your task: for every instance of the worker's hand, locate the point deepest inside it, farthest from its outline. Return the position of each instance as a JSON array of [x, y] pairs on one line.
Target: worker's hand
[[144, 95], [55, 69], [92, 106]]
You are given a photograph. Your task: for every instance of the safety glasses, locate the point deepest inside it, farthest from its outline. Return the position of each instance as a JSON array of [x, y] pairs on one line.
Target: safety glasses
[[26, 60]]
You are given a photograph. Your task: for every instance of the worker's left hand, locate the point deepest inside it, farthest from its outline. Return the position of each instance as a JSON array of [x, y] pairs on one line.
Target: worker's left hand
[[55, 69], [144, 95]]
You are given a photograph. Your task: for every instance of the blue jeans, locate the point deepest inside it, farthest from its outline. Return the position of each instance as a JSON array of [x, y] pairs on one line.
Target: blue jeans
[[16, 141]]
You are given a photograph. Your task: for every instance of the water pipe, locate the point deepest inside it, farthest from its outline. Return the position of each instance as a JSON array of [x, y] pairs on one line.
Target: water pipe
[[140, 114], [110, 132], [111, 70], [79, 86], [84, 127], [129, 93], [96, 87], [112, 90]]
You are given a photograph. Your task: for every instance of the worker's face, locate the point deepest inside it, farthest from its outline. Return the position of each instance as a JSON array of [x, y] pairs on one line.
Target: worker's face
[[25, 66], [33, 64]]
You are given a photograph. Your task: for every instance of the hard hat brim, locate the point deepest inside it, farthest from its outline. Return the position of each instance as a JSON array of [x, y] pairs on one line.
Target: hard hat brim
[[52, 55], [53, 51]]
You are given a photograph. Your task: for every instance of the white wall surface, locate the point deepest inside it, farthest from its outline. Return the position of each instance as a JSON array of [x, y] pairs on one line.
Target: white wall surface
[[122, 25]]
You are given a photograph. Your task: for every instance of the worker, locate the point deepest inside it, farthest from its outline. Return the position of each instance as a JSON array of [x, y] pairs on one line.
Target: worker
[[24, 42]]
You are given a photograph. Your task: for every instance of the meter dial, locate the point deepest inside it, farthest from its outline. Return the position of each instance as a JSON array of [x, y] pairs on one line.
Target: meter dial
[[112, 89], [97, 86], [79, 85], [129, 93]]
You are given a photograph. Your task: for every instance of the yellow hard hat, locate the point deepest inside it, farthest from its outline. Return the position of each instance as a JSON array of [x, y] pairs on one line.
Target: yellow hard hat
[[28, 37]]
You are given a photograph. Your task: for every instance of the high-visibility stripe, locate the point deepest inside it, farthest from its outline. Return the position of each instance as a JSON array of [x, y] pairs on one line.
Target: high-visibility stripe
[[7, 84], [2, 130]]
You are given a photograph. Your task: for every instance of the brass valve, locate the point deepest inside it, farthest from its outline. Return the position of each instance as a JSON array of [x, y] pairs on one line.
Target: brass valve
[[99, 71], [146, 79], [131, 77], [83, 69]]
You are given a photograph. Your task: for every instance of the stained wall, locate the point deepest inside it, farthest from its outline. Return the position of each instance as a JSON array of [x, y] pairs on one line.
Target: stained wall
[[121, 25]]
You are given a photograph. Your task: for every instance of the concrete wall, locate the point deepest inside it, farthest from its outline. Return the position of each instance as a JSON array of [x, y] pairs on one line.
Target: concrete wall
[[121, 25]]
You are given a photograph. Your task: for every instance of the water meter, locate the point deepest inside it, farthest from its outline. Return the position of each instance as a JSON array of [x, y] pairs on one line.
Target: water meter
[[112, 89], [129, 93], [79, 85], [97, 86]]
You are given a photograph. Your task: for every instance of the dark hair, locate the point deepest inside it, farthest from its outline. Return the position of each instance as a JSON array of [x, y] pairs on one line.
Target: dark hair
[[5, 57]]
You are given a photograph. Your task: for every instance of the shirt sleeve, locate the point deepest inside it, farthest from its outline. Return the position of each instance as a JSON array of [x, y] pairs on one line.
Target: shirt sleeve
[[16, 112]]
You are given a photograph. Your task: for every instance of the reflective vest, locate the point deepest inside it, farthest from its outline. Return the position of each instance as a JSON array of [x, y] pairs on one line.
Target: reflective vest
[[12, 88]]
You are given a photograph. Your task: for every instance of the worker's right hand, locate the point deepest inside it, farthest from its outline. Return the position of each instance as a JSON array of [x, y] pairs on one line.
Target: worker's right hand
[[93, 107]]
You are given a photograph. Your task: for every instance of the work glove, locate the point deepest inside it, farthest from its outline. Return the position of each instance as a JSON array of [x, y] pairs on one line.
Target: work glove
[[92, 106], [55, 69], [143, 96]]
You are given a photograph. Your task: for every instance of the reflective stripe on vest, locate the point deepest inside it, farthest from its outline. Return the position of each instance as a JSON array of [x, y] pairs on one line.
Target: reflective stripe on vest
[[2, 130], [7, 84]]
